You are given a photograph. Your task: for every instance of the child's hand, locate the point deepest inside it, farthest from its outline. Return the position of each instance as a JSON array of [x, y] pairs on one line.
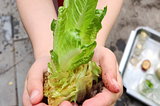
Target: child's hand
[[111, 78], [33, 88]]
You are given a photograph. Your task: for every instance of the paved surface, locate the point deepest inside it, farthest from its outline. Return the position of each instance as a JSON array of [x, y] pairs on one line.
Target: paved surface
[[16, 55]]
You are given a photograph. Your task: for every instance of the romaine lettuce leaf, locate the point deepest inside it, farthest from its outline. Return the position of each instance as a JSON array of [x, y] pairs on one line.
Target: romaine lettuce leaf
[[70, 71]]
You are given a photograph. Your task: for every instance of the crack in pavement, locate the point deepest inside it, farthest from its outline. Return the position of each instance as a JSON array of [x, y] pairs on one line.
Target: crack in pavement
[[2, 72]]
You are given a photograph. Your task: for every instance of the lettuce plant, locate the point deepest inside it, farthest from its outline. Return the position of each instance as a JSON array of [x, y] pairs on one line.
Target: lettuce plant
[[70, 71]]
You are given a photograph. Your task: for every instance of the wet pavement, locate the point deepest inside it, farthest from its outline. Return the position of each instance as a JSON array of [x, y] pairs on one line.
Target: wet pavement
[[16, 54]]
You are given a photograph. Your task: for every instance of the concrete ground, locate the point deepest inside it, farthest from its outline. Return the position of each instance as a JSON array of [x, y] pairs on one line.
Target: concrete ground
[[16, 54]]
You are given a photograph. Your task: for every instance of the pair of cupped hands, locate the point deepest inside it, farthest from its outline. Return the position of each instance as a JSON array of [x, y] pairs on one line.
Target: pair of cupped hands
[[33, 88]]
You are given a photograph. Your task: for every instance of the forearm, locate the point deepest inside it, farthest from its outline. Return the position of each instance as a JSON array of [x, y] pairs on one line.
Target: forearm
[[37, 17], [113, 9]]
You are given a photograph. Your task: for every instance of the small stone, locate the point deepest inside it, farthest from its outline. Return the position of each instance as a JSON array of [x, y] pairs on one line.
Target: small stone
[[10, 83]]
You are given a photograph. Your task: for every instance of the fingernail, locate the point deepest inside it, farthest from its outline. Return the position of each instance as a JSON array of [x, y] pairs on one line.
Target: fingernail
[[117, 85], [34, 94]]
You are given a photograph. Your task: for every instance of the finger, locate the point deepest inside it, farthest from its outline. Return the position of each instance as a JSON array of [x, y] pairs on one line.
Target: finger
[[101, 99], [26, 100], [41, 104], [121, 83], [66, 103], [35, 83], [108, 64]]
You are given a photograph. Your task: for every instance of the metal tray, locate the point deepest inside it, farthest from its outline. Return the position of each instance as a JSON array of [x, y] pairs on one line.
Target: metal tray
[[132, 74]]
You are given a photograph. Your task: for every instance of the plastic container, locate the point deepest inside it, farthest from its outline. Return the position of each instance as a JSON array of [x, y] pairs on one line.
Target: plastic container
[[148, 84]]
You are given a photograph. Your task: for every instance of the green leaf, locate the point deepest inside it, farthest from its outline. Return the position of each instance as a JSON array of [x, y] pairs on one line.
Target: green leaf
[[60, 26], [149, 83], [66, 3], [69, 47], [80, 14], [96, 70], [53, 25], [54, 61], [91, 33], [84, 57]]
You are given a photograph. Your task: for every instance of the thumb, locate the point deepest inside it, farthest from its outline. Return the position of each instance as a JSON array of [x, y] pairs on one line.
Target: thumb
[[67, 103], [109, 66], [35, 84]]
